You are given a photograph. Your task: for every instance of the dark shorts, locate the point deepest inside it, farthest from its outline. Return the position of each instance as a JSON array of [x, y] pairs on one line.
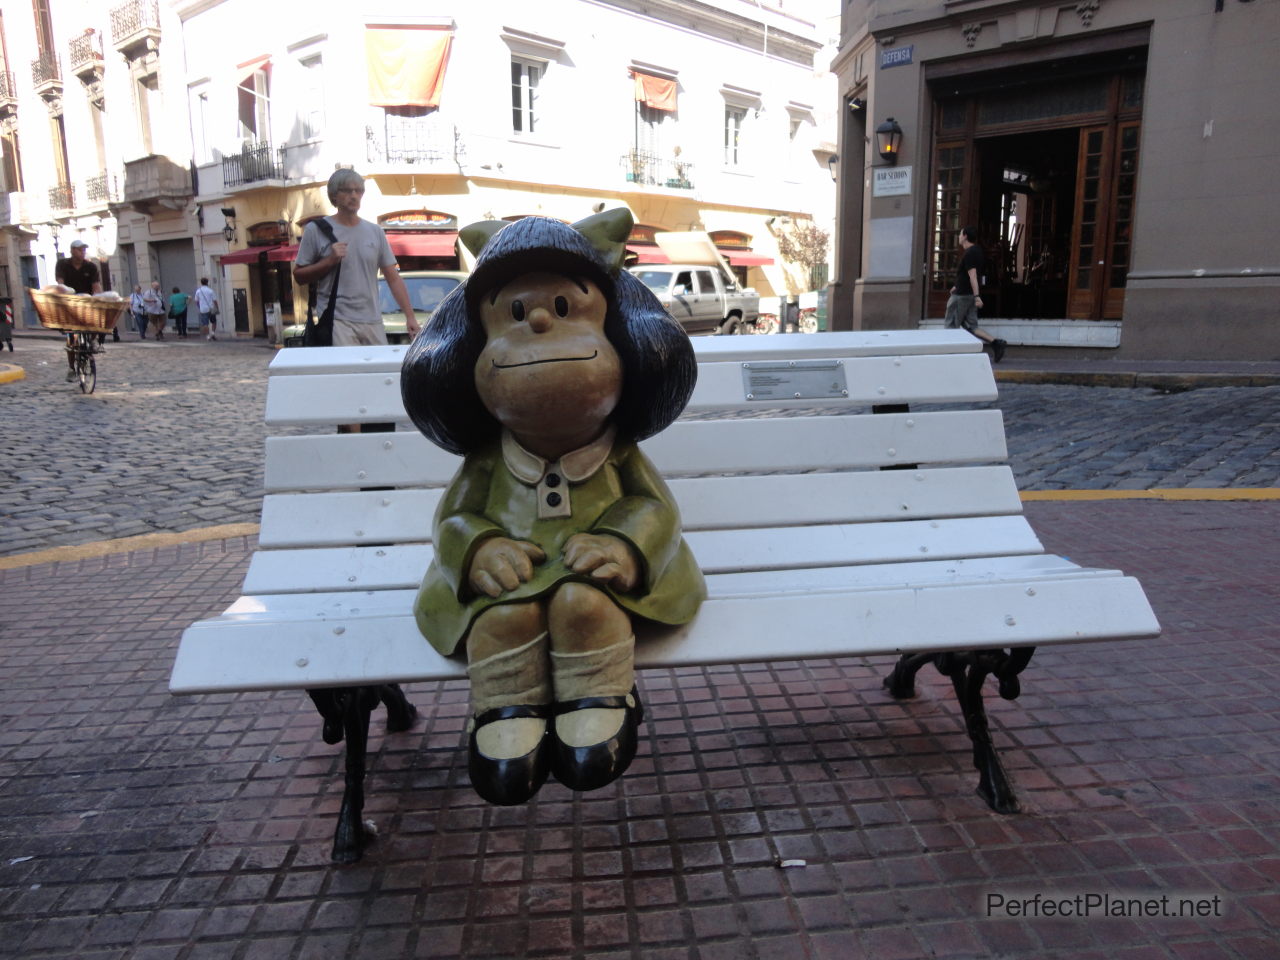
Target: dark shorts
[[962, 311]]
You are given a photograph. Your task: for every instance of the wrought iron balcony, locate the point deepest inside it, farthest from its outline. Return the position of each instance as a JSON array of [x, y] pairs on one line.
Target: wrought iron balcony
[[46, 75], [101, 190], [8, 96], [253, 163], [413, 141], [86, 52], [135, 27], [62, 196], [652, 170]]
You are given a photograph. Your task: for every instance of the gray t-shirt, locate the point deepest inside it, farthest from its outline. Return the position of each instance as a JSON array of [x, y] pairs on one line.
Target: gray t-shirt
[[367, 250]]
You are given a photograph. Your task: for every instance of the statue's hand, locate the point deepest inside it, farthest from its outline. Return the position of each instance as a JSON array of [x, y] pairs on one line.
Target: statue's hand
[[603, 557], [501, 564]]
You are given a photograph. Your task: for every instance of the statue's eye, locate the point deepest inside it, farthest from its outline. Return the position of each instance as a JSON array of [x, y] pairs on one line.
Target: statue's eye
[[517, 310], [562, 307]]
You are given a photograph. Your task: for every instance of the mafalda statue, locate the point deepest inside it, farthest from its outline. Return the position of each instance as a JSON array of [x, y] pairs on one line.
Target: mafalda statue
[[543, 370]]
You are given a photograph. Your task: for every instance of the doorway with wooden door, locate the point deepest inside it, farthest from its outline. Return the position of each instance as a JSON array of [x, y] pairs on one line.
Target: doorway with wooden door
[[1048, 174]]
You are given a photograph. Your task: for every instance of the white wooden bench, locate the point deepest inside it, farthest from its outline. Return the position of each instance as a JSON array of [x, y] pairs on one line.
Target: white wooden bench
[[887, 530]]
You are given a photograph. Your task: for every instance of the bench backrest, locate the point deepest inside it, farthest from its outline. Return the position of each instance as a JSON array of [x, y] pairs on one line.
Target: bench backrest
[[877, 482]]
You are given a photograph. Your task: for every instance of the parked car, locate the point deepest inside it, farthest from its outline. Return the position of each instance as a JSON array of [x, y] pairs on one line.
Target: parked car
[[426, 289], [703, 298]]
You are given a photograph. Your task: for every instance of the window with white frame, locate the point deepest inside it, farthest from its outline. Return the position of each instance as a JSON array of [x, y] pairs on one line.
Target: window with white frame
[[531, 57], [311, 102], [525, 75], [740, 106], [734, 118]]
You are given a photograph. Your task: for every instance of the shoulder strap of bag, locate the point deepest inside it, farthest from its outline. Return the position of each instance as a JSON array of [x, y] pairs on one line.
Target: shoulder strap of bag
[[326, 228]]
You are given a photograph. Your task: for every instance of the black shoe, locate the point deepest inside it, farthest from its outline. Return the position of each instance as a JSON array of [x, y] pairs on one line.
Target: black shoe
[[997, 349], [509, 782], [589, 768]]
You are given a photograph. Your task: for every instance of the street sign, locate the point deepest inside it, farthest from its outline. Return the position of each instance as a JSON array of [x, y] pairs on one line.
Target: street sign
[[896, 56]]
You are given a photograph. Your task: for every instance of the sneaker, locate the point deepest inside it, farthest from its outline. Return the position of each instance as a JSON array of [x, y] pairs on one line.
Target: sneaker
[[71, 375], [997, 349]]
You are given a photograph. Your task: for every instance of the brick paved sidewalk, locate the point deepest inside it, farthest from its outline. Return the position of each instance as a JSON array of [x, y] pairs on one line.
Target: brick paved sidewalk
[[138, 825]]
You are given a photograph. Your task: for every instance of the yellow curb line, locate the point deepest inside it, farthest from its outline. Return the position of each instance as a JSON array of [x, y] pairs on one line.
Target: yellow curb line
[[10, 374], [1203, 493], [146, 541], [151, 541]]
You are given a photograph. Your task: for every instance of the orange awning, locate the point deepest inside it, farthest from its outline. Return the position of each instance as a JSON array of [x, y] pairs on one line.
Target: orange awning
[[406, 65], [656, 92]]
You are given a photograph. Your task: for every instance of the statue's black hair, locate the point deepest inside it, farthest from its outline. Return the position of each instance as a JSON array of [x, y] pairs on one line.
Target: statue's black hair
[[437, 380]]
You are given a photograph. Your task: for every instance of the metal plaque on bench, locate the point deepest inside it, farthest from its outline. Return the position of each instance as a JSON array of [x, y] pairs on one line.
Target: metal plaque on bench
[[794, 380]]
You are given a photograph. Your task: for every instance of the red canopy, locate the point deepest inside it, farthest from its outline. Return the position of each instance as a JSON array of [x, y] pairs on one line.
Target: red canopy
[[436, 244], [247, 255]]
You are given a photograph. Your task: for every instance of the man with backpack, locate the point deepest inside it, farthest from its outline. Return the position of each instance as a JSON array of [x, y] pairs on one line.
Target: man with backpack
[[340, 256]]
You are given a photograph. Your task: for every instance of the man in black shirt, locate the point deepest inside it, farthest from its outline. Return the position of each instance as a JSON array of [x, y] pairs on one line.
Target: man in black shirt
[[80, 275], [965, 300]]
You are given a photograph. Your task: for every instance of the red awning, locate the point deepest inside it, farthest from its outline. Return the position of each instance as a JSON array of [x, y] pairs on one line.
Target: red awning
[[645, 253], [287, 254], [738, 259], [423, 244], [247, 255]]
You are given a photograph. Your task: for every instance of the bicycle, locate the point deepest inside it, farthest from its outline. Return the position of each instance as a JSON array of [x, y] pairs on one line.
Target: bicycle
[[81, 319], [81, 346]]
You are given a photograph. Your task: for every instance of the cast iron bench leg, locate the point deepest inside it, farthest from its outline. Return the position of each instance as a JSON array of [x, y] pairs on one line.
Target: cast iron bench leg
[[351, 836], [968, 671]]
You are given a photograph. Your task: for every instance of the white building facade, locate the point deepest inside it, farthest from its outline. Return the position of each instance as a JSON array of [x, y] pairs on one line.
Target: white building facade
[[94, 143], [456, 113]]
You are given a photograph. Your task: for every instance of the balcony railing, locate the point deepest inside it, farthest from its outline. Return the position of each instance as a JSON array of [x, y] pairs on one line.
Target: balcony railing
[[62, 196], [134, 17], [86, 51], [44, 69], [101, 190], [251, 164], [655, 171], [412, 141], [8, 96]]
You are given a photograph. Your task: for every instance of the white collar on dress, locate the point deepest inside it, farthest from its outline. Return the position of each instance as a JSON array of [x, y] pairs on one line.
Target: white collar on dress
[[575, 466]]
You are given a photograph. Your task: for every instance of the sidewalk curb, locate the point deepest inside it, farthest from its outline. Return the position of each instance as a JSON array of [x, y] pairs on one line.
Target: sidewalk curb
[[10, 373], [1168, 382]]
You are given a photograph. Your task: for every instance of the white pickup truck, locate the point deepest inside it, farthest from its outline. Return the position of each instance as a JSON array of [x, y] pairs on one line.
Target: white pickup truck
[[697, 287]]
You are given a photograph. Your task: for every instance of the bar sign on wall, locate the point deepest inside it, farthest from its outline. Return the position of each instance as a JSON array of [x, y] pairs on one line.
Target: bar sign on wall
[[896, 56]]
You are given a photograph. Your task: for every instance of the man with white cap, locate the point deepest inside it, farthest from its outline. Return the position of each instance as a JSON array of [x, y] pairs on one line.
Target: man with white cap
[[81, 275]]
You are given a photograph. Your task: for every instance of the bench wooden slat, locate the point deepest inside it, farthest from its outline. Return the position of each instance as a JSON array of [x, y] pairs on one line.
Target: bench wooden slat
[[319, 607], [215, 656], [322, 569], [688, 447], [375, 397], [405, 516], [295, 362]]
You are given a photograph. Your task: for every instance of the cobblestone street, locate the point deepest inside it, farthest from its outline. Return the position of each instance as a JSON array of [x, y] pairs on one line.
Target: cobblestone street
[[172, 440]]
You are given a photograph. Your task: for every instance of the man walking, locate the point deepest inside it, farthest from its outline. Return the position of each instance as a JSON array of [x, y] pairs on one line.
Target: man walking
[[153, 300], [965, 300], [361, 248], [80, 275], [207, 307]]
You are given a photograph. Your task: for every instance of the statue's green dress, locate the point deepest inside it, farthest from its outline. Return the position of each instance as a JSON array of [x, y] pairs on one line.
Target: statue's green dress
[[604, 488]]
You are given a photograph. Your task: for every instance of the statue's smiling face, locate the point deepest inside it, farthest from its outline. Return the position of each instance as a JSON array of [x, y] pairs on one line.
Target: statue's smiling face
[[547, 372]]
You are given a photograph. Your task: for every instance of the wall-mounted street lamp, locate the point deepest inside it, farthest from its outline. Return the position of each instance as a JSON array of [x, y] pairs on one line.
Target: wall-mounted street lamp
[[229, 228], [832, 162], [889, 140]]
